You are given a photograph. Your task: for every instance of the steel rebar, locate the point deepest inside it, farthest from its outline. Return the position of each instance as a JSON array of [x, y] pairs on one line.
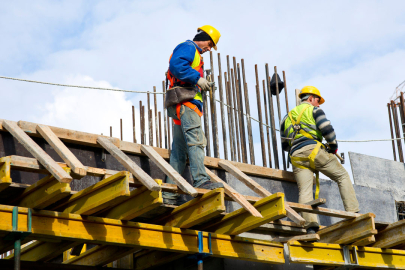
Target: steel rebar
[[279, 113], [221, 98], [272, 122], [259, 109]]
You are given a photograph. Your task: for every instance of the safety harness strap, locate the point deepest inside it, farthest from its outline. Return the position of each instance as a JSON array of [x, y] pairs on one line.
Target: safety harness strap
[[311, 159], [187, 104]]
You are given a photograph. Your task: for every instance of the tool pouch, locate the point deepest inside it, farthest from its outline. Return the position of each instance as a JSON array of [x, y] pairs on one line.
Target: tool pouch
[[179, 94]]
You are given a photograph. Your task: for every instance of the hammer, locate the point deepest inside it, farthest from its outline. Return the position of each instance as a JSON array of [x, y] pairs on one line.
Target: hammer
[[341, 157]]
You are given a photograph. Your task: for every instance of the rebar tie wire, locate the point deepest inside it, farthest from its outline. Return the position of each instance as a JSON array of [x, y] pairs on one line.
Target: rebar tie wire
[[161, 93]]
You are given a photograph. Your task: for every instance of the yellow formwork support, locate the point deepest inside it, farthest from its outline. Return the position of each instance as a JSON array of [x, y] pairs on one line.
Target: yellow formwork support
[[5, 171], [106, 193], [43, 251], [193, 212], [140, 201], [332, 255], [96, 230], [197, 210], [68, 256], [44, 192], [239, 221]]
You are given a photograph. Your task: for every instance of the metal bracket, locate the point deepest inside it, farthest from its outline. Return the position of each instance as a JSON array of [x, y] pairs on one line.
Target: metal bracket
[[15, 234], [201, 255], [348, 261]]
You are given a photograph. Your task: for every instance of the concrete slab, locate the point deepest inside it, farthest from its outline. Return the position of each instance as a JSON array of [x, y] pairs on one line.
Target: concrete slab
[[379, 173]]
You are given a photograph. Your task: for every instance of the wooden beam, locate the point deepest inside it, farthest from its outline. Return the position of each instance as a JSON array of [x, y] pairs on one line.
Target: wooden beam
[[316, 202], [349, 231], [89, 139], [393, 235], [61, 149], [98, 230], [365, 241], [231, 192], [140, 201], [299, 207], [169, 170], [306, 238], [37, 152], [240, 221], [102, 195], [129, 164], [43, 193], [249, 182]]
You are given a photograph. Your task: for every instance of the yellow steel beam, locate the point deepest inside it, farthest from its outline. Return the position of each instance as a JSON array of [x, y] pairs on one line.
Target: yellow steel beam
[[197, 210], [105, 194], [44, 192], [187, 215], [239, 221], [140, 201], [5, 170], [98, 230], [332, 255]]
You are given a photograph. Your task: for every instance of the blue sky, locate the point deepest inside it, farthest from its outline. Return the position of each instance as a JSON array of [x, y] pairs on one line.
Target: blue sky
[[353, 51]]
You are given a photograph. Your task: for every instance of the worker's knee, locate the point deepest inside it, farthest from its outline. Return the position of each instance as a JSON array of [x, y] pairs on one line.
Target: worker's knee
[[195, 137]]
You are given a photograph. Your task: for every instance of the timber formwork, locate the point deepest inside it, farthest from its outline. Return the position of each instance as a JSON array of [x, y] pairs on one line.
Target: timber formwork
[[121, 218]]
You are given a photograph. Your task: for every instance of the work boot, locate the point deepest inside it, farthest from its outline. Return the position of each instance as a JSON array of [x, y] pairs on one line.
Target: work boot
[[312, 230], [210, 185]]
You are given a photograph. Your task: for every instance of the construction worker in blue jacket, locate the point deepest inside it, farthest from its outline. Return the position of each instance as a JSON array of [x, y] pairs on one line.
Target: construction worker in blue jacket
[[184, 104], [302, 131]]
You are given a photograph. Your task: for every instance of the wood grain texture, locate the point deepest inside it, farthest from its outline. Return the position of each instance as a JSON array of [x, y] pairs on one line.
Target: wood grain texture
[[37, 152], [129, 164], [67, 156]]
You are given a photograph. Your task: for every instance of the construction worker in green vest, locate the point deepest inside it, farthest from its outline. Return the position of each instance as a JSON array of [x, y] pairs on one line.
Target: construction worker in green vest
[[302, 131]]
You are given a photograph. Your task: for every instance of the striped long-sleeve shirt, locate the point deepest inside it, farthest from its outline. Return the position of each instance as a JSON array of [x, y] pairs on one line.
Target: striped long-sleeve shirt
[[322, 124]]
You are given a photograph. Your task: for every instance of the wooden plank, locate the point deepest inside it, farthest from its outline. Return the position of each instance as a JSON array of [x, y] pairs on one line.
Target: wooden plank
[[102, 195], [43, 193], [281, 228], [37, 152], [129, 164], [89, 139], [305, 238], [140, 201], [294, 216], [349, 231], [393, 235], [240, 221], [316, 202], [67, 156], [168, 170], [231, 192], [196, 211], [299, 207], [365, 241]]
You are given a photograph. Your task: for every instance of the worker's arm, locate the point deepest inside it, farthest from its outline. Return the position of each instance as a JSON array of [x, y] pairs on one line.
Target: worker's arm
[[326, 128], [180, 63], [284, 142]]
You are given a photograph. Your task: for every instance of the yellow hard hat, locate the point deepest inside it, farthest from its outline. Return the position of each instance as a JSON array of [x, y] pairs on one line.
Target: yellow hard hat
[[212, 32], [313, 91]]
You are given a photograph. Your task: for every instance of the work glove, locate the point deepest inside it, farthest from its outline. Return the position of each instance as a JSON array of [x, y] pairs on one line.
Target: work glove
[[333, 148], [204, 84]]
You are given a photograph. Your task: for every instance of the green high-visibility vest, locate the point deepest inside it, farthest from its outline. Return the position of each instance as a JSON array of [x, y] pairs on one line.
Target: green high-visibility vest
[[303, 114]]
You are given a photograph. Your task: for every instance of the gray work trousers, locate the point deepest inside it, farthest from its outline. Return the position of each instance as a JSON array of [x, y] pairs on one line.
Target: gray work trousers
[[329, 165]]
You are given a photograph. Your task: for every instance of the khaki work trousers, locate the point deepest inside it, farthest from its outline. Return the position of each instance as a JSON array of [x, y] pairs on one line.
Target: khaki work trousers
[[329, 165]]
